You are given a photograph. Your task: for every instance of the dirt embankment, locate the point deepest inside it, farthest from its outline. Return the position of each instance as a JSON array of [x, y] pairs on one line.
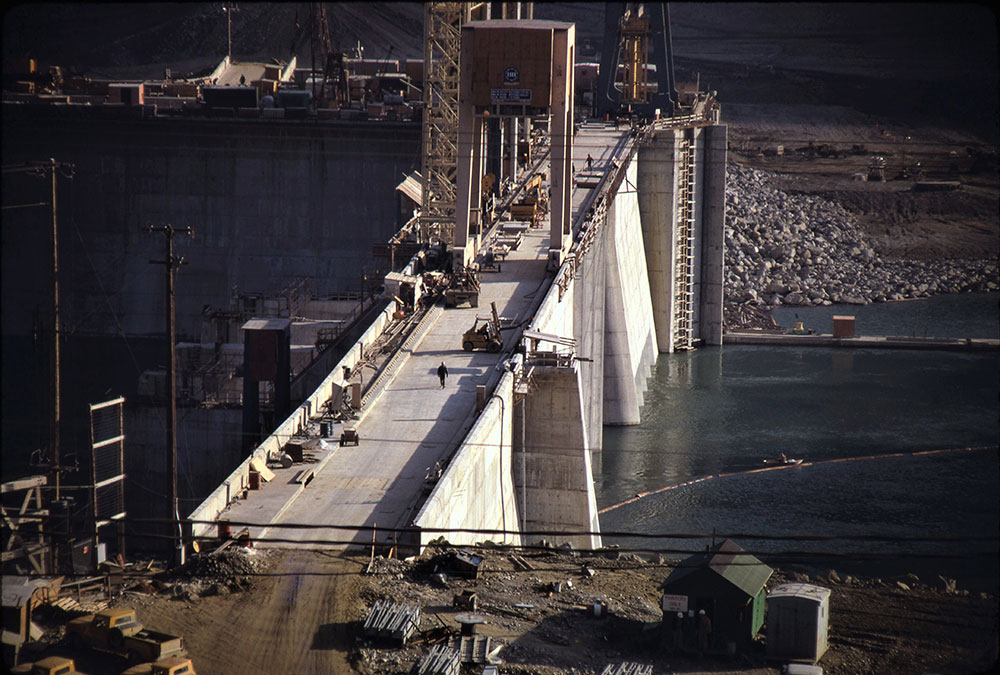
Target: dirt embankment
[[303, 611]]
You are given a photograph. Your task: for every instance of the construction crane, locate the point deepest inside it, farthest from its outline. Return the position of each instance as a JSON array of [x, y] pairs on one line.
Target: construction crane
[[636, 35], [334, 69]]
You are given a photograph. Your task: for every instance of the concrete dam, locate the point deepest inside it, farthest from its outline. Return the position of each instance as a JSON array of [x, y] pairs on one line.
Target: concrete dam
[[627, 264], [505, 451]]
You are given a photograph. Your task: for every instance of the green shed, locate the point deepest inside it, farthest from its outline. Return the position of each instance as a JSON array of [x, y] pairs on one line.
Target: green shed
[[728, 585]]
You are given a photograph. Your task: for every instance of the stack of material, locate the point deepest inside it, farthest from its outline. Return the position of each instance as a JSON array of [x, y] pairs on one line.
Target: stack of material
[[441, 661], [392, 621], [474, 648], [627, 668]]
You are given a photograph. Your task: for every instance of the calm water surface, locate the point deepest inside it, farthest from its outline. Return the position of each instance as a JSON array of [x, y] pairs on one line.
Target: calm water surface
[[724, 410]]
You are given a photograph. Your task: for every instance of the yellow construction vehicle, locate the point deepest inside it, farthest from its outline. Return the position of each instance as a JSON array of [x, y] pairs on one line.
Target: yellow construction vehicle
[[52, 665], [485, 333]]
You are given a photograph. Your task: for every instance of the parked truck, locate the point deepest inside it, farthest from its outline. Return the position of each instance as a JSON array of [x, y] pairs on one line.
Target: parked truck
[[119, 630], [51, 665]]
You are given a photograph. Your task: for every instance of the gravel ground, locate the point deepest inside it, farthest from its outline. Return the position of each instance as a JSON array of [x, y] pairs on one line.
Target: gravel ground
[[535, 617], [547, 631]]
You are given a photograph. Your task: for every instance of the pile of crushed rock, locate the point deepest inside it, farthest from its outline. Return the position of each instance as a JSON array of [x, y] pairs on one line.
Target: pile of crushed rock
[[784, 249]]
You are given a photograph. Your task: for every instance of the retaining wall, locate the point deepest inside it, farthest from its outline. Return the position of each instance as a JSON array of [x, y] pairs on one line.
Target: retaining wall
[[477, 489]]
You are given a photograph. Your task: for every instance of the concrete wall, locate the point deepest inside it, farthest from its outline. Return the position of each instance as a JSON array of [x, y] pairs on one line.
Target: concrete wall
[[589, 318], [658, 162], [630, 342], [476, 490], [656, 178], [552, 465], [208, 446], [713, 236], [270, 202]]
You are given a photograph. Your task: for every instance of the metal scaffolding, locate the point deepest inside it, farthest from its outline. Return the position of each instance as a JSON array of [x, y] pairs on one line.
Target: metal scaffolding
[[442, 44]]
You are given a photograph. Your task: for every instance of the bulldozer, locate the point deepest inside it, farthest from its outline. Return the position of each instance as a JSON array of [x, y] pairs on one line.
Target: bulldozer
[[485, 333]]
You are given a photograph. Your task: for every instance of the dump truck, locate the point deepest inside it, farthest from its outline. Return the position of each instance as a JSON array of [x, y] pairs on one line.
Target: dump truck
[[119, 630], [51, 665], [172, 666], [485, 335], [463, 287]]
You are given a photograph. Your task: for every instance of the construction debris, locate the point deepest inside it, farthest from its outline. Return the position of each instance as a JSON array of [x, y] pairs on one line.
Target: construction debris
[[474, 648], [466, 563], [392, 621], [442, 660], [627, 668]]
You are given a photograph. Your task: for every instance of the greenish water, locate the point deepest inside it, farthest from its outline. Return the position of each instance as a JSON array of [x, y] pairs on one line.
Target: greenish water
[[725, 410]]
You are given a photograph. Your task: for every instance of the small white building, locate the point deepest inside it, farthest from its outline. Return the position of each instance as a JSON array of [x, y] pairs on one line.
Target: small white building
[[798, 620]]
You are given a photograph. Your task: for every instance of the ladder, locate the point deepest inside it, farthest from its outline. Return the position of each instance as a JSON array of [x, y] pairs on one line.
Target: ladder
[[683, 332]]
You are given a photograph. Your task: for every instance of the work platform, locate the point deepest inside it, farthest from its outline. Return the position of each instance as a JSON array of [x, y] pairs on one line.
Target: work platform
[[409, 426]]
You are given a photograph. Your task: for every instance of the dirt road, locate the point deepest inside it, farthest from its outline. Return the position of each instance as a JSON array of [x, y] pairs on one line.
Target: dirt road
[[299, 617]]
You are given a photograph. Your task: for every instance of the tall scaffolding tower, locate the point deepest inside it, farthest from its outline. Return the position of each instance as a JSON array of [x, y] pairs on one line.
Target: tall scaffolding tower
[[635, 36], [442, 45]]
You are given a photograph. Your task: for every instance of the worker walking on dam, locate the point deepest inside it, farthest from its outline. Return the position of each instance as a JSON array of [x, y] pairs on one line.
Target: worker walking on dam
[[442, 373]]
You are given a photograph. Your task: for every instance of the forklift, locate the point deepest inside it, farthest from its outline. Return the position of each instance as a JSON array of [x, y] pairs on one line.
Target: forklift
[[485, 333]]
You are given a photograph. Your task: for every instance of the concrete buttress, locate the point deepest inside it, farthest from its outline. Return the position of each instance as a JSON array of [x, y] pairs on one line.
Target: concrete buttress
[[552, 465]]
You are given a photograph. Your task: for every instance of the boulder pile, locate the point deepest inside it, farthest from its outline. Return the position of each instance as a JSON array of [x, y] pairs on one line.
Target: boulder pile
[[786, 249]]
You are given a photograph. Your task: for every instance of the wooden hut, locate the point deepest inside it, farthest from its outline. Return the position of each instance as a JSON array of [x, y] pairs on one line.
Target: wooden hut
[[728, 585]]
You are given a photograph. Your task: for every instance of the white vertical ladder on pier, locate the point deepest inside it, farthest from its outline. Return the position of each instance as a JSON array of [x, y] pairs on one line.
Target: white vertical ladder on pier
[[684, 247]]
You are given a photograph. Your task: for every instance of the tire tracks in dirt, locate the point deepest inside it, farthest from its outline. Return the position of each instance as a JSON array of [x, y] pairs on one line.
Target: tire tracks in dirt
[[300, 618]]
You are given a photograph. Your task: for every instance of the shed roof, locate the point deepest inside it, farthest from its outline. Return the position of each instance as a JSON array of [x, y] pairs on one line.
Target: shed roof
[[17, 590], [728, 560], [267, 324], [800, 590], [412, 187]]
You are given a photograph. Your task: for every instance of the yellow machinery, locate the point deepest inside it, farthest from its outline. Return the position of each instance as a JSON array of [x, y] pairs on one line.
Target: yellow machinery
[[635, 36], [484, 334]]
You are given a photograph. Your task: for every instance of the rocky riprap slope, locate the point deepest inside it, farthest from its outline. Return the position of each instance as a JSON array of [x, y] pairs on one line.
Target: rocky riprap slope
[[786, 249]]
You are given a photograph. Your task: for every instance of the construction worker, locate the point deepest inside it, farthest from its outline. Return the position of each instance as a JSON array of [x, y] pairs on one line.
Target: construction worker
[[704, 630], [442, 373], [678, 631]]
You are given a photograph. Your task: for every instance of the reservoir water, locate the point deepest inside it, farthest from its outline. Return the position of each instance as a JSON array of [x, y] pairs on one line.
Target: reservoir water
[[724, 410]]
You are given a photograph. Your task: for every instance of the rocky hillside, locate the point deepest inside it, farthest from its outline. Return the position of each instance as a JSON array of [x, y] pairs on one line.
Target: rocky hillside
[[805, 250]]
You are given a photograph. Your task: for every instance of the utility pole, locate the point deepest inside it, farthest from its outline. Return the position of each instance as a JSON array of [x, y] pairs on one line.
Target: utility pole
[[171, 263], [229, 9], [50, 168], [56, 418]]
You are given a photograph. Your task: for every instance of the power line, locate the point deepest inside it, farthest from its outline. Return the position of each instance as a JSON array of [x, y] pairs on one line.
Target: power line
[[359, 529]]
